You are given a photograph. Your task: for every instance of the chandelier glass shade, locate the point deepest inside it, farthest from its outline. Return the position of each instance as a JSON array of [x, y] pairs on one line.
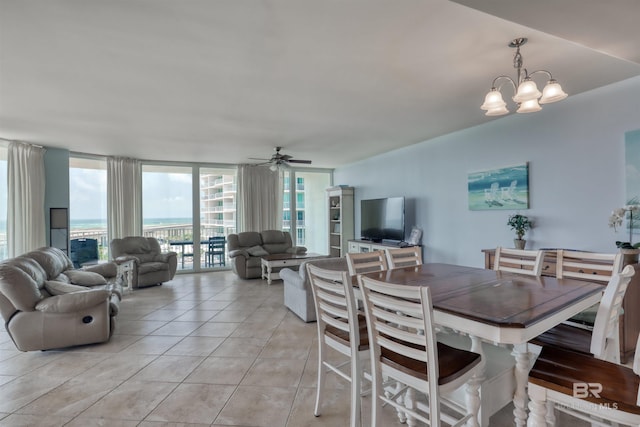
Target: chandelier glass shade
[[527, 96]]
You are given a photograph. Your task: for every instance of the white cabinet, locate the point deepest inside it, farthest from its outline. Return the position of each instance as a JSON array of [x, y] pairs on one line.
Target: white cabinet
[[341, 226], [367, 246]]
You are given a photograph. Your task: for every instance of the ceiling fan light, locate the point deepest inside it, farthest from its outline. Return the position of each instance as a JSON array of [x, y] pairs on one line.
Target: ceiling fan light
[[493, 100], [273, 167], [530, 106], [527, 91], [552, 92]]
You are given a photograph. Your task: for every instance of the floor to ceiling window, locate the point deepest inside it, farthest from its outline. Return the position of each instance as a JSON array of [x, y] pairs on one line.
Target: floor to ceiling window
[[88, 208], [305, 209], [217, 214], [167, 210], [3, 200]]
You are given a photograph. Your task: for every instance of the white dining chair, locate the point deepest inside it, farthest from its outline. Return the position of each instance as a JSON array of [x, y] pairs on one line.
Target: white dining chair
[[592, 266], [342, 328], [404, 257], [603, 342], [366, 262], [404, 348], [597, 391], [519, 261]]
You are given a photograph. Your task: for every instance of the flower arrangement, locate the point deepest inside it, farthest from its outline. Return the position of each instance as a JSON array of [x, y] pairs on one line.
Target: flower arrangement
[[615, 221], [520, 223]]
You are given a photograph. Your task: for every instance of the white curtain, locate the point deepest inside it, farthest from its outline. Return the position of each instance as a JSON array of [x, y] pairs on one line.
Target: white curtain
[[124, 197], [25, 204], [259, 198]]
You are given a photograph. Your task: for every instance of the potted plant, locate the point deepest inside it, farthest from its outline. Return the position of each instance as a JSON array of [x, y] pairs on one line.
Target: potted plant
[[519, 223]]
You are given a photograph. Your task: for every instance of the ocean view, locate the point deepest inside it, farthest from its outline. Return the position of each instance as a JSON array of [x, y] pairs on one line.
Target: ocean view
[[92, 224]]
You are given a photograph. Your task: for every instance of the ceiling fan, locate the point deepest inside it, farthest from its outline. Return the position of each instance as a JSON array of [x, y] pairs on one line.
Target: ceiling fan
[[280, 160]]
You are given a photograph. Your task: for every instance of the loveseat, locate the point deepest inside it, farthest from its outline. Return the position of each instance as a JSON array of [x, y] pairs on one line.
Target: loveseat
[[298, 296], [246, 250], [151, 265], [47, 304]]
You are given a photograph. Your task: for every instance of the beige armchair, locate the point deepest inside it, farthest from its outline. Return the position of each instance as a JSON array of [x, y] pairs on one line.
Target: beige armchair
[[152, 266], [47, 304]]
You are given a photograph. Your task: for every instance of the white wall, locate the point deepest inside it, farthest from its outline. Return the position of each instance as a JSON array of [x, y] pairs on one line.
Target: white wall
[[575, 151]]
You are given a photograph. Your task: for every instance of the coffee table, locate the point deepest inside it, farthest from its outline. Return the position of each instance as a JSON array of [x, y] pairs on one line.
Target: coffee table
[[272, 264]]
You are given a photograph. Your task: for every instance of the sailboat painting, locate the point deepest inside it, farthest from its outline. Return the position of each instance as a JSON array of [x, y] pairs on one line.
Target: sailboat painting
[[504, 188]]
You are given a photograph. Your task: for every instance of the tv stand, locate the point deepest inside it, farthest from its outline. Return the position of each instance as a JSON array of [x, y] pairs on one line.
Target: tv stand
[[361, 245]]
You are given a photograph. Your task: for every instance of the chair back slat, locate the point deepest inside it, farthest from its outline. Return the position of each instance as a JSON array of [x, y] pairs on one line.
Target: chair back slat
[[604, 339], [366, 262], [404, 257], [335, 303], [519, 261], [583, 265]]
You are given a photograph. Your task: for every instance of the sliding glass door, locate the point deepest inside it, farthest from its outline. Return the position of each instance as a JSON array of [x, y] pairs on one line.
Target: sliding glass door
[[88, 209], [305, 209], [3, 201], [217, 214], [167, 210]]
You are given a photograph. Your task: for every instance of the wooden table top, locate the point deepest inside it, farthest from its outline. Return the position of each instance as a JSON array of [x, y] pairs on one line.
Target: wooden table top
[[492, 297]]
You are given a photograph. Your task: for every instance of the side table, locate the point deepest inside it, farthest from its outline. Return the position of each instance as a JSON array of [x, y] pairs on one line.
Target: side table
[[125, 269]]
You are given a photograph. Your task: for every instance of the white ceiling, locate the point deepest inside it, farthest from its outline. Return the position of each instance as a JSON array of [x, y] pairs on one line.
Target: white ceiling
[[334, 81]]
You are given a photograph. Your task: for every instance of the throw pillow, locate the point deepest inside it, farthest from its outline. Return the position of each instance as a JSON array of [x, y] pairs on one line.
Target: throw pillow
[[257, 251], [60, 288], [86, 278]]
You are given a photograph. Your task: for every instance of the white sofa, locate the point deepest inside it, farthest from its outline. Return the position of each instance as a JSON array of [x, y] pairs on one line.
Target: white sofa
[[297, 289]]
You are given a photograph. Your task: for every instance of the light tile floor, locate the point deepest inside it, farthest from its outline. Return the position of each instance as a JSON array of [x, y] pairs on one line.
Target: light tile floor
[[202, 350]]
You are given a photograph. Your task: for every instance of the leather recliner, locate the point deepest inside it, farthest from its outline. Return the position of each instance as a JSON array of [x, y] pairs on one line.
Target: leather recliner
[[47, 304], [246, 250], [152, 266]]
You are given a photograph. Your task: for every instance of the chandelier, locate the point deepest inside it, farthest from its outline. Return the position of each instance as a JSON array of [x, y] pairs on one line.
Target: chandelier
[[527, 96]]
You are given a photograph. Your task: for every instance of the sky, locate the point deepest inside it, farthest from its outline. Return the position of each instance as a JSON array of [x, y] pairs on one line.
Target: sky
[[164, 195]]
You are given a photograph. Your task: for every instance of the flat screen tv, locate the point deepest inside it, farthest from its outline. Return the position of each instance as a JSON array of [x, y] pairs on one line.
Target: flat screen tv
[[382, 219]]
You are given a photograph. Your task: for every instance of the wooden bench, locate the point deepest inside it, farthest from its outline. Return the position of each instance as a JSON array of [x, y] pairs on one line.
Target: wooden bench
[[580, 384]]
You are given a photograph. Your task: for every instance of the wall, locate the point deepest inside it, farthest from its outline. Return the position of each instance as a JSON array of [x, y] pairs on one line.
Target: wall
[[56, 165], [575, 151]]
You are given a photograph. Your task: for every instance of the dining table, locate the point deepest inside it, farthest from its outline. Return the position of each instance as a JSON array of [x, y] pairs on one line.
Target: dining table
[[505, 309]]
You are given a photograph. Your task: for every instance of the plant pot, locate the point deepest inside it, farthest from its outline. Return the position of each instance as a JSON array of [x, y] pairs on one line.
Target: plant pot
[[519, 243]]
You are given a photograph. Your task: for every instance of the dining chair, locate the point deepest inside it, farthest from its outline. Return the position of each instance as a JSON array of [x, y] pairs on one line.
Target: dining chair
[[366, 262], [599, 392], [342, 328], [404, 257], [215, 253], [404, 348], [603, 342], [592, 266], [519, 261]]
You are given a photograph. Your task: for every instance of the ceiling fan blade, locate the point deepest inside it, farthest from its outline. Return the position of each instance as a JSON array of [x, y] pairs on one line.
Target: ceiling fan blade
[[306, 162], [256, 158]]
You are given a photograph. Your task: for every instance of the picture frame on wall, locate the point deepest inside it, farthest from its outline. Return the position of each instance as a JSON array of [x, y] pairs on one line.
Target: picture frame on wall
[[505, 188]]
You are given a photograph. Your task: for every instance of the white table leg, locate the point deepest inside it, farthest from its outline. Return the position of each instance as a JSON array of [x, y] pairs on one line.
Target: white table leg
[[472, 395], [269, 274], [537, 407], [521, 354]]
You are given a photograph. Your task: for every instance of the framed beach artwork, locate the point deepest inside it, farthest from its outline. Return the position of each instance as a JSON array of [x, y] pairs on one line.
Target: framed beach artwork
[[503, 188], [632, 173]]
